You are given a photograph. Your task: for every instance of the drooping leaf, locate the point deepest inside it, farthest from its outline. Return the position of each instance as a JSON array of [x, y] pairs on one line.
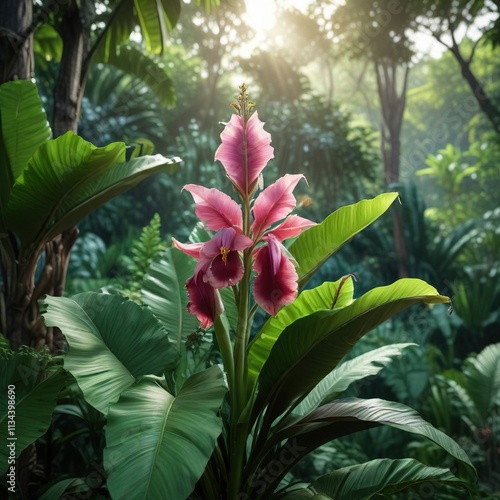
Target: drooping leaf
[[112, 342], [313, 247], [382, 477], [339, 379], [47, 44], [309, 301], [297, 437], [165, 293], [158, 445], [482, 379], [154, 17], [28, 396], [24, 123], [309, 348], [147, 68]]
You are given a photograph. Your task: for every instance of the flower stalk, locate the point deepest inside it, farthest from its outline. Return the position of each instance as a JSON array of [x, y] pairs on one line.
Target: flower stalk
[[247, 239]]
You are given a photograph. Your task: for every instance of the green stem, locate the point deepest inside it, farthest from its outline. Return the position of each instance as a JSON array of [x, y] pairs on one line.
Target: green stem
[[239, 428]]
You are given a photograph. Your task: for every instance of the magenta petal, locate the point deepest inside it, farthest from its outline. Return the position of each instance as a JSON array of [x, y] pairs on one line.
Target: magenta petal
[[204, 301], [191, 249], [231, 153], [221, 274], [276, 283], [292, 226], [215, 208], [274, 203]]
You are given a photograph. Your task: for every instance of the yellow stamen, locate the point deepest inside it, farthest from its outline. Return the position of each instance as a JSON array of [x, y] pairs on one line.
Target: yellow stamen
[[224, 252]]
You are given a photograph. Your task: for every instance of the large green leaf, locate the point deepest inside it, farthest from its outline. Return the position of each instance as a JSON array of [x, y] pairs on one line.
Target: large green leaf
[[314, 246], [112, 342], [55, 172], [327, 296], [164, 291], [33, 402], [383, 477], [67, 178], [24, 124], [309, 348], [120, 178], [157, 445], [339, 379], [482, 379]]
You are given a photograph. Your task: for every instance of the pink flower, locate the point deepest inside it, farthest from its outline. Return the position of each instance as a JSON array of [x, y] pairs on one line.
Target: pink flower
[[220, 260], [204, 301], [276, 283], [244, 152]]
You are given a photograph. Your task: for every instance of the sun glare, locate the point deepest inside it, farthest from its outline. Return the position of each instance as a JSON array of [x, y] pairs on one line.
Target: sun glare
[[261, 14]]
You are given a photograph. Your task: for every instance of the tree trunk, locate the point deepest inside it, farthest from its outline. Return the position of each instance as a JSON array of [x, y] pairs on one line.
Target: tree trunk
[[24, 325], [393, 106], [70, 85], [489, 109], [16, 40]]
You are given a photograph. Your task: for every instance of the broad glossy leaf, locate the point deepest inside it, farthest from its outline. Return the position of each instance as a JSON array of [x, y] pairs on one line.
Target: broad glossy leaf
[[383, 477], [120, 178], [158, 445], [55, 173], [309, 301], [309, 348], [339, 379], [112, 342], [164, 292], [33, 397], [24, 124], [313, 247]]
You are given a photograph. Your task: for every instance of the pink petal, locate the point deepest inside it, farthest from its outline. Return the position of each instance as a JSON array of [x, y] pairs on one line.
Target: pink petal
[[231, 153], [276, 281], [291, 227], [228, 238], [220, 259], [204, 301], [191, 249], [215, 208], [274, 203]]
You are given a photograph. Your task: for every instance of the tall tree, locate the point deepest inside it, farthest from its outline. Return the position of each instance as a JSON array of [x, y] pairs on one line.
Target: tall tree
[[378, 33], [450, 22]]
